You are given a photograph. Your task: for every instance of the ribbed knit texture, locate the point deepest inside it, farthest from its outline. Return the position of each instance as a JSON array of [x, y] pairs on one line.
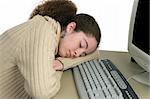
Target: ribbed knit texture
[[26, 57], [27, 52]]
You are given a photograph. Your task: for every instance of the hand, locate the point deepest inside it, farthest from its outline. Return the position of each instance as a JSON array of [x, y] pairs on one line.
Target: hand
[[57, 65]]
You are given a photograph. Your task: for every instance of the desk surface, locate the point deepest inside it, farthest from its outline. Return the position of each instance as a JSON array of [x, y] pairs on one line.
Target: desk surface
[[123, 63]]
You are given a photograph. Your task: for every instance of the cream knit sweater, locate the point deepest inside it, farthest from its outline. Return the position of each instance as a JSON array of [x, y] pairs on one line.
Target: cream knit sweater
[[27, 52]]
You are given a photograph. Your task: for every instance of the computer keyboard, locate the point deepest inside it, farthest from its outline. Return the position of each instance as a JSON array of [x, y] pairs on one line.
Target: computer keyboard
[[100, 79]]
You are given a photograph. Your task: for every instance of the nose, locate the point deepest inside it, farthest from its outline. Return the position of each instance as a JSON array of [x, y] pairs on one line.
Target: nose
[[78, 52]]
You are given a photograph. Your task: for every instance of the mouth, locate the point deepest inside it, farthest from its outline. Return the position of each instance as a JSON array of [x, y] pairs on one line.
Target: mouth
[[68, 54]]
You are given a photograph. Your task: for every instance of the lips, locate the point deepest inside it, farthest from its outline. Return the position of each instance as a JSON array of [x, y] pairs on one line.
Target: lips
[[68, 54]]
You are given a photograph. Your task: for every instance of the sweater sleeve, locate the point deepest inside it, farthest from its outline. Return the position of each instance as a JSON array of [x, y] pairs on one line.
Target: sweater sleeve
[[69, 62], [36, 57]]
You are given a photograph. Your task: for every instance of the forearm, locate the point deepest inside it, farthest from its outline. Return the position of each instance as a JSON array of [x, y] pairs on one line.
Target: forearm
[[69, 62]]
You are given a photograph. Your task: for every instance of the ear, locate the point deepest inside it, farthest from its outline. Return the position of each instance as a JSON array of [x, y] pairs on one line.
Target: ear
[[70, 27]]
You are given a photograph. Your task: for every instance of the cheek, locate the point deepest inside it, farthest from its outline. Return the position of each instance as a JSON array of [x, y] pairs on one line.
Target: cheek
[[69, 43], [64, 44]]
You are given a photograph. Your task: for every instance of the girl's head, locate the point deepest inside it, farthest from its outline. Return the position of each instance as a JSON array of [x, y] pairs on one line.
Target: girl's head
[[80, 33], [80, 37]]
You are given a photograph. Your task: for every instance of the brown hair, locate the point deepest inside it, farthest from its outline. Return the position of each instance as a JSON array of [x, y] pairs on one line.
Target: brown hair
[[60, 10], [88, 25]]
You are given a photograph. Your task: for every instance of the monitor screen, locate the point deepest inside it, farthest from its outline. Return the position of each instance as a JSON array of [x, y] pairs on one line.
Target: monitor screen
[[141, 27]]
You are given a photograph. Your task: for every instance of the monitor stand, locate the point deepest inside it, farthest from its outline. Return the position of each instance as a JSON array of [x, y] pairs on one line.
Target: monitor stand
[[143, 78]]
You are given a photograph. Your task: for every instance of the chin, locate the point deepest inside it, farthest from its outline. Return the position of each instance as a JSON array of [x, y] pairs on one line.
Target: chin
[[61, 54]]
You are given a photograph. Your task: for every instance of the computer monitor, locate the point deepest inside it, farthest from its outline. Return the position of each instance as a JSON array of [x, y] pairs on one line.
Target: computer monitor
[[138, 42]]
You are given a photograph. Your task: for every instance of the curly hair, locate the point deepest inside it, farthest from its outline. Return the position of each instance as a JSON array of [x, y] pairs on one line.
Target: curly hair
[[60, 10]]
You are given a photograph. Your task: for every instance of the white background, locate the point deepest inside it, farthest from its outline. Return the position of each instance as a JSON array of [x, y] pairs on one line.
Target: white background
[[113, 17]]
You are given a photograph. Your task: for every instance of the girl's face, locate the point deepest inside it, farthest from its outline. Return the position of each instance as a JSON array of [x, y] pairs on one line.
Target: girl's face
[[75, 44]]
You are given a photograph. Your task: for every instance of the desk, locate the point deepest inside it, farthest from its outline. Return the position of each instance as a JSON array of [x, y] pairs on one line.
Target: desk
[[123, 63]]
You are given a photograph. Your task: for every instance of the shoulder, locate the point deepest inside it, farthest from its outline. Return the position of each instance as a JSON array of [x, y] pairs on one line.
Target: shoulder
[[46, 22], [45, 19]]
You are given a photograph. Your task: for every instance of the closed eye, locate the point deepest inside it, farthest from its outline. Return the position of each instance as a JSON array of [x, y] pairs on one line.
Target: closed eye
[[84, 44], [81, 45]]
